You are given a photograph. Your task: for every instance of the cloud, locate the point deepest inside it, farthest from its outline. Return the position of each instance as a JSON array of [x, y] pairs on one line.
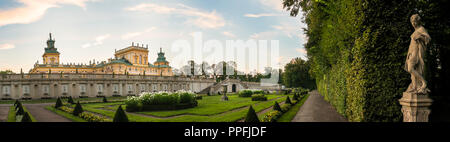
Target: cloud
[[303, 53], [6, 46], [261, 15], [195, 17], [33, 10], [301, 50], [273, 4], [228, 34], [98, 41], [135, 34], [268, 35]]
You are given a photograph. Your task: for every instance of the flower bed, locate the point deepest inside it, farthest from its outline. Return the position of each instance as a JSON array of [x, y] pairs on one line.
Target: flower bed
[[161, 101], [90, 117], [273, 115]]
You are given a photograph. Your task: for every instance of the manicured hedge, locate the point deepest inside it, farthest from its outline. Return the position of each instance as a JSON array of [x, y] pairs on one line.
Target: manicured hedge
[[358, 49], [259, 97], [245, 93], [161, 101]]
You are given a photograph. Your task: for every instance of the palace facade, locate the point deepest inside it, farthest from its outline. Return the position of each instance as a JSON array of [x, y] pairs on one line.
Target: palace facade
[[132, 60]]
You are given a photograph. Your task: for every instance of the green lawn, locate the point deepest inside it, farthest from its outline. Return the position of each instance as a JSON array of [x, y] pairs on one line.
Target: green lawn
[[12, 114], [209, 105], [209, 109], [290, 114]]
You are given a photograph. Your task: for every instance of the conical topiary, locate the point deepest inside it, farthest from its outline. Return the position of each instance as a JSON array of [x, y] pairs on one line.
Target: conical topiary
[[58, 103], [78, 109], [20, 111], [26, 117], [70, 100], [105, 100], [19, 104], [297, 96], [276, 106], [288, 100], [251, 115], [120, 115]]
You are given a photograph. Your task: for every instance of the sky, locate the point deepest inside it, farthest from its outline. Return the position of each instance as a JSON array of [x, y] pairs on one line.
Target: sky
[[93, 29]]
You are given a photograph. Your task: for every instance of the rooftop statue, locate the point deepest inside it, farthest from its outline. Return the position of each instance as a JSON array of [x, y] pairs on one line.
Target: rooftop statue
[[415, 58]]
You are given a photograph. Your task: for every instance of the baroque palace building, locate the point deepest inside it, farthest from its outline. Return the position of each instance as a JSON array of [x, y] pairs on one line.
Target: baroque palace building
[[132, 60], [128, 74]]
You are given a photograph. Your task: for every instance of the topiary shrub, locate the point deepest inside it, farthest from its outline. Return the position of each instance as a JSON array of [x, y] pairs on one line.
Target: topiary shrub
[[105, 100], [78, 109], [285, 107], [276, 106], [251, 115], [19, 104], [20, 110], [288, 100], [245, 93], [16, 102], [26, 118], [259, 97], [58, 103], [70, 100], [295, 97], [198, 97], [120, 115]]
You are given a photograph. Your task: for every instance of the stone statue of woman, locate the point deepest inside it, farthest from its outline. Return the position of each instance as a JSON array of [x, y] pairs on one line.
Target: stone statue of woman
[[415, 58]]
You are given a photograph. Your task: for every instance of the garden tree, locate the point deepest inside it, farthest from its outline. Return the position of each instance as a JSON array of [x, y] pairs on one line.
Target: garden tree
[[6, 72], [296, 74], [276, 106], [251, 115], [288, 100], [78, 109], [26, 118], [58, 103], [120, 115], [104, 99], [357, 51]]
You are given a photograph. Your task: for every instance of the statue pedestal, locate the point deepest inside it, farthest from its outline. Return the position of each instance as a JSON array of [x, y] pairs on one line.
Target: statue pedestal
[[415, 107]]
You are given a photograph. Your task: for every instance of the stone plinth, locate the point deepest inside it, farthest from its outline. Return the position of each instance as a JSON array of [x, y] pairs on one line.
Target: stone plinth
[[415, 107]]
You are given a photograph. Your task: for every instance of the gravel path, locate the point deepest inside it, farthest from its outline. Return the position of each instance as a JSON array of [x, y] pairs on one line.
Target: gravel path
[[4, 110], [43, 115], [316, 109]]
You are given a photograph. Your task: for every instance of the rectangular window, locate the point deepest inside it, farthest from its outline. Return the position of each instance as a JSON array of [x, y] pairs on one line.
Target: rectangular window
[[6, 90], [130, 87], [64, 88], [116, 88], [100, 87], [82, 88], [142, 87], [45, 89], [26, 89]]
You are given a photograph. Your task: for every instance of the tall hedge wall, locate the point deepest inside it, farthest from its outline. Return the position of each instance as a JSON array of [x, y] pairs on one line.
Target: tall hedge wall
[[358, 50]]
